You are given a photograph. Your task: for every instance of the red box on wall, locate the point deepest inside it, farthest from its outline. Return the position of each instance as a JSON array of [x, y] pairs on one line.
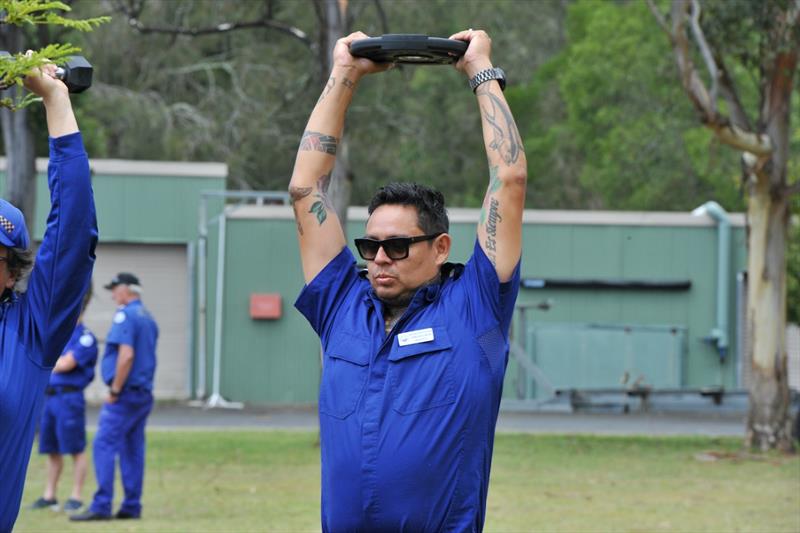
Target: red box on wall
[[265, 306]]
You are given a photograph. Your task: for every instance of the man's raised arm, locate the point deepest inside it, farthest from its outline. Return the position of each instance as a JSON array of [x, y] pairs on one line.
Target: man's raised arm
[[318, 228], [500, 227], [65, 258]]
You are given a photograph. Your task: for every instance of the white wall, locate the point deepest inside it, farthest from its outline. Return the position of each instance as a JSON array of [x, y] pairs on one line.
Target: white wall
[[162, 270]]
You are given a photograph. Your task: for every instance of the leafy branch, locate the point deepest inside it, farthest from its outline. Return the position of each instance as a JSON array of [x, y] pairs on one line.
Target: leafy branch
[[21, 12], [13, 69]]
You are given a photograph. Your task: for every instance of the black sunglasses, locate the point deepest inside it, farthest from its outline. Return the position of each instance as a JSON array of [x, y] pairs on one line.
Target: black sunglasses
[[395, 248]]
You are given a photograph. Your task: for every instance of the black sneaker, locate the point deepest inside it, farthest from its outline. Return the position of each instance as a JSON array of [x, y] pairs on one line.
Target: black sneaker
[[41, 503], [88, 516], [72, 505], [125, 515]]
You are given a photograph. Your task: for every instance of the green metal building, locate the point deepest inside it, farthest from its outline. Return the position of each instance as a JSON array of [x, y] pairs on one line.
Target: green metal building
[[612, 301]]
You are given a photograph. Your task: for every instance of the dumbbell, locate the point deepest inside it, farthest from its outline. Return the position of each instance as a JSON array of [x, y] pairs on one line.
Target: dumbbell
[[76, 73]]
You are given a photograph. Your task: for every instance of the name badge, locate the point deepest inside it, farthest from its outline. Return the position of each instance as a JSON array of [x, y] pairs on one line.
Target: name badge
[[415, 337]]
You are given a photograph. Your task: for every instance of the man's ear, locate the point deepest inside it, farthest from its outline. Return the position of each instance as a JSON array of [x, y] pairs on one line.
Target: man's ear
[[442, 245]]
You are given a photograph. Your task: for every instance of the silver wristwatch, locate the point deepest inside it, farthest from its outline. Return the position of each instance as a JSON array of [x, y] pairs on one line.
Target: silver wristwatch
[[487, 75]]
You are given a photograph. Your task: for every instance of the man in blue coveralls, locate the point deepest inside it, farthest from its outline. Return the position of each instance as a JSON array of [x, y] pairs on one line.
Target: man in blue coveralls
[[128, 367], [35, 325], [415, 348], [62, 429]]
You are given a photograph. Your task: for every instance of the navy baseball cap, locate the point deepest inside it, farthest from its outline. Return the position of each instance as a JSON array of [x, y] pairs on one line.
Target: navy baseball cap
[[13, 233], [123, 278]]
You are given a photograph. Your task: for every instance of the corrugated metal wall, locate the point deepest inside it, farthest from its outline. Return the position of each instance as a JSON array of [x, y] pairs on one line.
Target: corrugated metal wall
[[639, 252]]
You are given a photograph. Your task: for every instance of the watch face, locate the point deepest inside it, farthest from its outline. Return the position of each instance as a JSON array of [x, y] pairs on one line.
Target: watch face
[[501, 77]]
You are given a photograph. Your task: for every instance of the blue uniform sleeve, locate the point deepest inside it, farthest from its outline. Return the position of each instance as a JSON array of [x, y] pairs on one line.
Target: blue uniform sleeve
[[123, 329], [65, 259], [486, 289], [84, 350], [321, 298]]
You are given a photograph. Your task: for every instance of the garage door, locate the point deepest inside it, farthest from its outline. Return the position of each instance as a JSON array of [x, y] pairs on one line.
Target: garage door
[[162, 270]]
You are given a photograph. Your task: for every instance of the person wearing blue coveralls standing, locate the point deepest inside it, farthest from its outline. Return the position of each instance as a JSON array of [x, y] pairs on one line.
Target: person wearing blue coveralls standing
[[62, 429], [415, 348], [128, 367], [36, 325]]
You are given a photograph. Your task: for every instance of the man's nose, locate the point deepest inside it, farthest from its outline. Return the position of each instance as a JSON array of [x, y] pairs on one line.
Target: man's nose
[[381, 256]]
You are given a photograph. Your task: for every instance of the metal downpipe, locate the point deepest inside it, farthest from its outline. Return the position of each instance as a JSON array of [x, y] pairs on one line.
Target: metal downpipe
[[719, 335]]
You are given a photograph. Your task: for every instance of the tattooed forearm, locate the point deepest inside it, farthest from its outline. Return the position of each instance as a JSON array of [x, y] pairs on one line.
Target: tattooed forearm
[[505, 137], [322, 205], [346, 82], [319, 142], [328, 88], [491, 229]]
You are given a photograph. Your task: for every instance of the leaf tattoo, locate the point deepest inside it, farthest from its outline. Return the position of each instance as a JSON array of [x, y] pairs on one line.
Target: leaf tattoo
[[322, 205], [318, 208]]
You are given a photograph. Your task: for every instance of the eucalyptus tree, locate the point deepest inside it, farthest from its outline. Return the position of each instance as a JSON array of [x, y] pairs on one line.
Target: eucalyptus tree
[[737, 62], [234, 81]]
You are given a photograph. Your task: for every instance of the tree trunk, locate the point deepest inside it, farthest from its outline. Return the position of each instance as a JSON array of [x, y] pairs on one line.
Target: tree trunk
[[21, 161], [769, 422], [18, 142], [341, 179]]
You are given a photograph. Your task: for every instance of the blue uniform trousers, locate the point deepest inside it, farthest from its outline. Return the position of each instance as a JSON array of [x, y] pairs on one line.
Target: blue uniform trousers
[[120, 431]]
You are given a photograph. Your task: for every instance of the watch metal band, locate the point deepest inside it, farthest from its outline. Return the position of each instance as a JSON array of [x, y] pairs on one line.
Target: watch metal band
[[488, 75]]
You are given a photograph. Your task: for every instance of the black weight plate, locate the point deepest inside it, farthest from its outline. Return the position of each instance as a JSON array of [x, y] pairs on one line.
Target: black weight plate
[[409, 48]]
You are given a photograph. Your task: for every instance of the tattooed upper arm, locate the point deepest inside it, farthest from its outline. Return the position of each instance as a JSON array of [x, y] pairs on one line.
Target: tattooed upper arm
[[296, 194], [319, 208]]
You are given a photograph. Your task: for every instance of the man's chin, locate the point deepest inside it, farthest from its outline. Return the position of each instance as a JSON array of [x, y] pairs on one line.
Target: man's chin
[[385, 294], [394, 298]]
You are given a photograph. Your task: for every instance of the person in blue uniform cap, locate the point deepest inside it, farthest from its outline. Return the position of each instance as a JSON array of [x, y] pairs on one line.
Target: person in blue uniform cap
[[128, 368], [36, 324], [62, 429], [415, 348]]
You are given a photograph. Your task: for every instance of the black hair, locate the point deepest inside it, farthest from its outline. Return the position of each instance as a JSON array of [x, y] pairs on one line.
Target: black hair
[[20, 263], [431, 213]]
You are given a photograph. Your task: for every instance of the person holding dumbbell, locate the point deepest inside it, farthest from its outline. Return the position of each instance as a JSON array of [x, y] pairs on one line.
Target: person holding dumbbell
[[35, 325], [415, 348]]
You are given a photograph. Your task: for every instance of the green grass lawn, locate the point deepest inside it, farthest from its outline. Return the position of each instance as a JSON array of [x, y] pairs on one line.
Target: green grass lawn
[[269, 481]]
